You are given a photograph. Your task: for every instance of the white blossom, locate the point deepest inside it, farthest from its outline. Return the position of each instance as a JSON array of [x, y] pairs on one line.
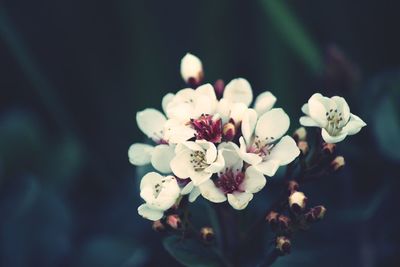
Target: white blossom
[[191, 69], [196, 160], [159, 193], [333, 116], [262, 144]]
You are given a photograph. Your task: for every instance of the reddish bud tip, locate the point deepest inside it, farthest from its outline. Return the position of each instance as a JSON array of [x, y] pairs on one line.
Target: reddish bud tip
[[300, 134], [283, 244], [174, 221], [219, 87], [207, 234], [228, 131], [303, 146], [328, 148], [158, 226], [297, 202], [338, 163]]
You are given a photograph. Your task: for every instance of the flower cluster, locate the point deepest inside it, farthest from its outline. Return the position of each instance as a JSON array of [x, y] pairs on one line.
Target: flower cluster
[[215, 141]]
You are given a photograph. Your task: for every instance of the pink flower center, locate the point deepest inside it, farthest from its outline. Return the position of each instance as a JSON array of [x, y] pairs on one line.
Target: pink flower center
[[230, 181], [206, 128]]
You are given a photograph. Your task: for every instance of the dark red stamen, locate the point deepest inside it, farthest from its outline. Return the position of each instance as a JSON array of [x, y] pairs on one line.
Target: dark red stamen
[[207, 129], [229, 181]]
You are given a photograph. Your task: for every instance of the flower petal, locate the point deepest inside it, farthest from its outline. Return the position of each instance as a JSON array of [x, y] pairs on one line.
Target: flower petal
[[308, 122], [333, 139], [212, 193], [151, 123], [229, 151], [199, 177], [354, 125], [342, 107], [239, 200], [249, 122], [140, 154], [285, 151], [268, 167], [237, 111], [177, 132], [239, 90], [264, 102], [150, 214], [180, 164], [272, 125], [194, 194], [305, 109], [254, 180], [217, 165], [150, 179], [161, 158], [318, 106], [166, 100], [250, 158]]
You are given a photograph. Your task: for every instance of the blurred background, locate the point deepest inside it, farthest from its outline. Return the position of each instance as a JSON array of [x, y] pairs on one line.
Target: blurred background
[[73, 74]]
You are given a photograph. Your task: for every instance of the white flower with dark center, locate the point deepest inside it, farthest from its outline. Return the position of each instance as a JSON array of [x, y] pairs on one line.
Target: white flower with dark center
[[151, 122], [160, 193], [233, 183], [332, 115], [196, 160], [262, 144]]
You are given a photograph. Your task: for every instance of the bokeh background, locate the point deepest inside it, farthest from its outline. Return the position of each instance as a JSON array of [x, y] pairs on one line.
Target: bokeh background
[[74, 73]]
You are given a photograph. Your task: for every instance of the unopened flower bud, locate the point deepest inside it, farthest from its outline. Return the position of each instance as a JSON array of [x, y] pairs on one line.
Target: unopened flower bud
[[315, 214], [283, 244], [328, 148], [297, 201], [158, 226], [174, 221], [219, 87], [272, 219], [283, 222], [293, 186], [300, 134], [228, 131], [303, 146], [192, 70], [207, 234], [338, 163]]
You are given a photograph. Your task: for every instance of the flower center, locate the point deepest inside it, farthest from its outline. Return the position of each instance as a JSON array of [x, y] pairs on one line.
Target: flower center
[[198, 160], [158, 188], [207, 128], [230, 181], [261, 147], [335, 122]]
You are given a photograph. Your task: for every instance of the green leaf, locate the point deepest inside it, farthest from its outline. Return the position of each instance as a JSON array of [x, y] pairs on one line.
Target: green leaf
[[293, 33], [190, 252]]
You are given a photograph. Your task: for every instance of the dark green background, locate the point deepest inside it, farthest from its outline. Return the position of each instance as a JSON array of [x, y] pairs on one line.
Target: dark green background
[[74, 73]]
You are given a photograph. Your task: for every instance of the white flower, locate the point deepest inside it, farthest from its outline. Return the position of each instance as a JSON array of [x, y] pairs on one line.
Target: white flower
[[233, 184], [196, 160], [333, 116], [160, 193], [151, 122], [260, 145], [191, 69]]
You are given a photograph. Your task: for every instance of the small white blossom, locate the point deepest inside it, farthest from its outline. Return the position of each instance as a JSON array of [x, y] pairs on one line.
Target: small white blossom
[[151, 122], [233, 183], [333, 116], [191, 69], [196, 160], [262, 144], [160, 193]]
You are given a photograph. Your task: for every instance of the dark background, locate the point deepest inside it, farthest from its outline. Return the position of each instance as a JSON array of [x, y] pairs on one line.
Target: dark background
[[74, 73]]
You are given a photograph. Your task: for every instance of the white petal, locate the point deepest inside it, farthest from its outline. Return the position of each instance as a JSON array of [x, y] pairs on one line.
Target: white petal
[[150, 214], [239, 90], [161, 158], [140, 154], [318, 107], [191, 67], [205, 100], [285, 151], [199, 145], [305, 109], [254, 180], [354, 125], [150, 179], [187, 188], [333, 139], [229, 151], [211, 192], [200, 177], [342, 107], [250, 158], [194, 194], [224, 110], [239, 200], [237, 111], [206, 90], [180, 164], [151, 123], [166, 100], [268, 167], [217, 165], [249, 122], [272, 125], [308, 122], [177, 132], [264, 102]]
